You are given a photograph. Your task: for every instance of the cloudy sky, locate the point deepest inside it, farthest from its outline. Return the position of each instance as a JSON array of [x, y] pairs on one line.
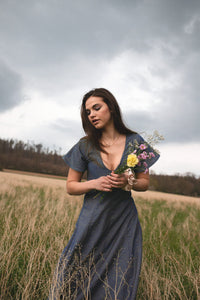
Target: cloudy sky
[[146, 52]]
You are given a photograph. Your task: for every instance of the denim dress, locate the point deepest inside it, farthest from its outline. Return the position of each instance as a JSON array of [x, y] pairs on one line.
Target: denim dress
[[102, 260]]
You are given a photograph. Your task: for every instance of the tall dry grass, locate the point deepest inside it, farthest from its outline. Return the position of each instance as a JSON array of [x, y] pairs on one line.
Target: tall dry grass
[[171, 243], [37, 221], [35, 225]]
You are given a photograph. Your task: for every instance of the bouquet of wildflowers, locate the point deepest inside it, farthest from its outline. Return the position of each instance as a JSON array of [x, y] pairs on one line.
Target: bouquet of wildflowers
[[137, 157]]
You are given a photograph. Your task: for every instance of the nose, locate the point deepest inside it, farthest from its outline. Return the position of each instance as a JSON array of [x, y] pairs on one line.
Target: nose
[[92, 114]]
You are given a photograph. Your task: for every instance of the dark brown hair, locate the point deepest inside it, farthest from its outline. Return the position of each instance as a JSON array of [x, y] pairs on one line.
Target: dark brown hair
[[94, 134]]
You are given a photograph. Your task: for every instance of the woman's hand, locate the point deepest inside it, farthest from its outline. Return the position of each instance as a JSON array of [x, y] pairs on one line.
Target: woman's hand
[[140, 183], [103, 184], [77, 187], [118, 181]]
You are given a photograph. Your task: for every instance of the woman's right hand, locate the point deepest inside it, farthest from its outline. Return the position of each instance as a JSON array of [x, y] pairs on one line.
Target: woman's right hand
[[102, 184]]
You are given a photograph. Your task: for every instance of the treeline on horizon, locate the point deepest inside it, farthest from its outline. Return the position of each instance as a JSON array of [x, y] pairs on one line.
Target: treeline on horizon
[[30, 157]]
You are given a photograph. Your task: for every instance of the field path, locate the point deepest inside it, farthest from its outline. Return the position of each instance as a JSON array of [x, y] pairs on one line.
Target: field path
[[24, 178]]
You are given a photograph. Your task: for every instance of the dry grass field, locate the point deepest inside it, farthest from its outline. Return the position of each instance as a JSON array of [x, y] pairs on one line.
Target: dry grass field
[[37, 218]]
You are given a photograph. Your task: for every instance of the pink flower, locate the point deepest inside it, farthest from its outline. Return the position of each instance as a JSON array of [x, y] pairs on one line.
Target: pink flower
[[143, 146], [145, 164], [146, 170], [144, 155], [151, 154], [140, 156]]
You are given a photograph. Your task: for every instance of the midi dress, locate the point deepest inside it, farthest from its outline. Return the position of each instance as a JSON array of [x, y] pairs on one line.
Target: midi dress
[[102, 260]]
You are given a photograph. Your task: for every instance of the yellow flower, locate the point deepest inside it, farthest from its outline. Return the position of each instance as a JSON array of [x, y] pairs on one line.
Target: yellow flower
[[132, 160]]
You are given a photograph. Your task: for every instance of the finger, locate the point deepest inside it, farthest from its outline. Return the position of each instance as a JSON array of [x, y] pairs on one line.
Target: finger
[[115, 175], [107, 185], [117, 184], [114, 182], [116, 179], [107, 188], [105, 181]]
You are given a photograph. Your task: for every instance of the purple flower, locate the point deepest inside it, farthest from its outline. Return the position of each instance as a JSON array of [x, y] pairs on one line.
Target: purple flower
[[143, 146], [140, 156], [151, 154], [145, 164], [144, 155]]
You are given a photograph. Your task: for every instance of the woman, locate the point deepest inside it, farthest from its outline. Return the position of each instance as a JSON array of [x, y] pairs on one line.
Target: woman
[[103, 257]]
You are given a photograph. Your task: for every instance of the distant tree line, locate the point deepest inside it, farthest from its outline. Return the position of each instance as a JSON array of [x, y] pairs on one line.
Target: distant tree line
[[31, 157], [186, 184]]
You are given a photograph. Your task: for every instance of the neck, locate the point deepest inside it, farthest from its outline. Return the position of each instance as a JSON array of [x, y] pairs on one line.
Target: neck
[[110, 136], [110, 133]]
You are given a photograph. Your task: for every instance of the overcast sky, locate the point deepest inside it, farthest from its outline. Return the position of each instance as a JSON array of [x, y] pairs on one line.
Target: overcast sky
[[146, 52]]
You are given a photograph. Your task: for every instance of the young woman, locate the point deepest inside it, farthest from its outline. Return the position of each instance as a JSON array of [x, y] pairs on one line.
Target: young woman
[[103, 257]]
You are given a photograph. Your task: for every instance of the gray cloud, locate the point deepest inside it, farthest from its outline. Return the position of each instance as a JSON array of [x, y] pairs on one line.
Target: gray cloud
[[51, 31], [61, 45], [67, 133], [10, 88], [177, 119]]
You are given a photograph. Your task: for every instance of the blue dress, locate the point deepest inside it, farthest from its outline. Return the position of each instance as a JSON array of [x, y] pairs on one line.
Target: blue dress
[[103, 257]]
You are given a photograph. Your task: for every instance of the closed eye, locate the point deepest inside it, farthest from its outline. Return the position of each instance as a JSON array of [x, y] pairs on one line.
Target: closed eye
[[95, 107]]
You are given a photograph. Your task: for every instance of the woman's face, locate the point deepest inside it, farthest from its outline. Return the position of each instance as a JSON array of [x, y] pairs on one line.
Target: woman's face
[[98, 112]]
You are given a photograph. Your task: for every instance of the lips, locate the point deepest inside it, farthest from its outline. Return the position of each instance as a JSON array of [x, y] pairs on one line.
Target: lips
[[95, 121]]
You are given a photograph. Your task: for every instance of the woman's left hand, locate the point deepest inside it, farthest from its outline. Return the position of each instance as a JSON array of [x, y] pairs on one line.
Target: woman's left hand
[[118, 181]]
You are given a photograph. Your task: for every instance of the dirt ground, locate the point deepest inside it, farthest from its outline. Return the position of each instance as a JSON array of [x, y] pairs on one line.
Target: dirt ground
[[16, 178]]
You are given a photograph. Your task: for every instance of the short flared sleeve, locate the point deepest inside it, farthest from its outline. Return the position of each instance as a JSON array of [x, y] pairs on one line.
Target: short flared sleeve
[[150, 152], [75, 158]]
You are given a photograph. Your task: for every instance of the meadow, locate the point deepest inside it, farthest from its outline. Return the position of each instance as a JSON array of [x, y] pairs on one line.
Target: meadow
[[37, 218]]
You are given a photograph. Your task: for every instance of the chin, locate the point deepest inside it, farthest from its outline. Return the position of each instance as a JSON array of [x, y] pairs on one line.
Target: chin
[[98, 126]]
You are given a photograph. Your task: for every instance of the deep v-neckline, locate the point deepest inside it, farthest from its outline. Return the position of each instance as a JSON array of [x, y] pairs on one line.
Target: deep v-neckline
[[122, 157]]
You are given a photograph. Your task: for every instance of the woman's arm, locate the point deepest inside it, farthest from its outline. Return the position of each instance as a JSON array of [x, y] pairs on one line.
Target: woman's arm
[[142, 182], [76, 187]]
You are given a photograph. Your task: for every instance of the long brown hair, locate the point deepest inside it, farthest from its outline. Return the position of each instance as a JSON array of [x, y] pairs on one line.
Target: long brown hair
[[94, 134]]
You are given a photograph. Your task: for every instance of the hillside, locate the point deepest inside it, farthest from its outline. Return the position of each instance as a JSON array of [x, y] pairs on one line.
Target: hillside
[[30, 157], [26, 178]]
